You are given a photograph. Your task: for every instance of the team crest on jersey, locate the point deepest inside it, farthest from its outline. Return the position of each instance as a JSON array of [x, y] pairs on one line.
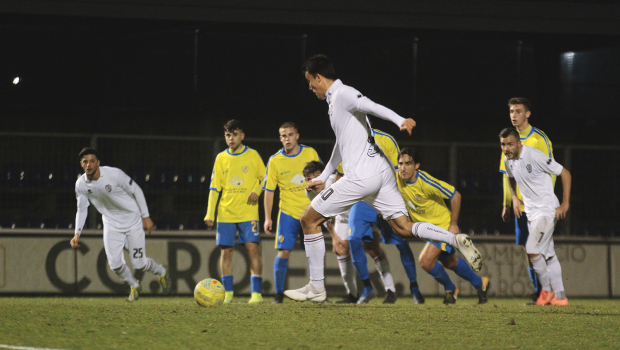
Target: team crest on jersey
[[298, 179], [529, 168], [245, 169], [236, 181], [108, 188], [89, 191], [372, 150]]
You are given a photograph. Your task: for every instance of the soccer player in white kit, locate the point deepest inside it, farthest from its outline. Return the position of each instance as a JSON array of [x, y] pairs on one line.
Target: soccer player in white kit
[[369, 176], [530, 169], [125, 215]]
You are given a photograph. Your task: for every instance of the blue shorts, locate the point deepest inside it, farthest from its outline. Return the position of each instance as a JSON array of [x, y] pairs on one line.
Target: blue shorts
[[289, 230], [361, 217], [521, 229], [446, 249], [226, 232]]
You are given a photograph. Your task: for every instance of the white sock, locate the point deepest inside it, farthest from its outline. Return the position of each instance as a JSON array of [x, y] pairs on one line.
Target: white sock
[[347, 271], [540, 266], [315, 251], [154, 267], [430, 232], [383, 266], [555, 277], [125, 274]]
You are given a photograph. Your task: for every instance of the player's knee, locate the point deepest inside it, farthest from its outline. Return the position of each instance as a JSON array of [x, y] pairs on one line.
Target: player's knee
[[139, 264], [450, 262], [426, 264]]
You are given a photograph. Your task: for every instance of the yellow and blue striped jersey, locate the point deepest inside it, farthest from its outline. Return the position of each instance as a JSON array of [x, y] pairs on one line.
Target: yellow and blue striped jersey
[[286, 172], [532, 137], [235, 175], [425, 199], [387, 144]]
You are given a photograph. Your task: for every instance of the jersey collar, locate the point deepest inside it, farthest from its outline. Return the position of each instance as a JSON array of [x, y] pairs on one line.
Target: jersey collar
[[238, 153], [301, 147], [525, 133], [335, 85]]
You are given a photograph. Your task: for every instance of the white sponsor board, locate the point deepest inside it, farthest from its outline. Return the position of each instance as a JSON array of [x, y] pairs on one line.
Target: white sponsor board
[[42, 262]]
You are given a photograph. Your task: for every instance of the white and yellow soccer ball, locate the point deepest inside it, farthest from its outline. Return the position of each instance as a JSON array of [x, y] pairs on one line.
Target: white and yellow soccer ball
[[209, 292]]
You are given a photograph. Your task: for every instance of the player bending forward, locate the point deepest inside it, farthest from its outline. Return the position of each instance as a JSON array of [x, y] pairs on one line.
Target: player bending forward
[[530, 168], [369, 176], [125, 215]]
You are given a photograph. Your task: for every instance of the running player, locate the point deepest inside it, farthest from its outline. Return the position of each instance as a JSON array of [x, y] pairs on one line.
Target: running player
[[530, 168], [520, 112], [285, 170], [369, 176], [425, 198], [125, 215], [237, 175]]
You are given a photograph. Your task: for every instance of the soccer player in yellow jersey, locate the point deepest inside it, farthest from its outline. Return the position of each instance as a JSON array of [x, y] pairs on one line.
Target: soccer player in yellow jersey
[[237, 176], [285, 170], [520, 112], [425, 198]]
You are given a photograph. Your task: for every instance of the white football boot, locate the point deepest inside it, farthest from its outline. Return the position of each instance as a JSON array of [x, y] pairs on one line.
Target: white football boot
[[463, 244], [307, 293]]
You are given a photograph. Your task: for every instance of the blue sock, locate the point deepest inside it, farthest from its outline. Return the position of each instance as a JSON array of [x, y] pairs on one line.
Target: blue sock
[[440, 275], [227, 281], [358, 256], [465, 272], [257, 284], [535, 282], [280, 267], [408, 260]]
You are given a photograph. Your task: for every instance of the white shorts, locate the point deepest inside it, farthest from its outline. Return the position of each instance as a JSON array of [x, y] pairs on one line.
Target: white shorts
[[341, 226], [380, 191], [133, 240], [540, 238]]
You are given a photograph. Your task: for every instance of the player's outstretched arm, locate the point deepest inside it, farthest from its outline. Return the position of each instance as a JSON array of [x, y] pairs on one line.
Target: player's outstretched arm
[[560, 212], [369, 107]]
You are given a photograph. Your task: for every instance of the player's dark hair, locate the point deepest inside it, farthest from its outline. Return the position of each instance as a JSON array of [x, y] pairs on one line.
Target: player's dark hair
[[86, 151], [520, 101], [312, 167], [410, 151], [289, 125], [509, 131], [233, 125], [320, 64]]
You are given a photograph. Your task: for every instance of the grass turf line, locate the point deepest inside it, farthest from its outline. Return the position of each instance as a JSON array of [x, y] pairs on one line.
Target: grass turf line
[[177, 322]]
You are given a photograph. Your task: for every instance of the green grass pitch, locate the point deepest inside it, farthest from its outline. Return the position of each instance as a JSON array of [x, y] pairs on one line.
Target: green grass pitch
[[179, 323]]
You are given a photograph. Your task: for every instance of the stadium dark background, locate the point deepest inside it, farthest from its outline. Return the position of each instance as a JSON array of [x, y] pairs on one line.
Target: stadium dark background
[[86, 69]]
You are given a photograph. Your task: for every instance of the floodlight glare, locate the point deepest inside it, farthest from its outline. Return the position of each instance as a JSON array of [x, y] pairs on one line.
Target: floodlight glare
[[16, 81]]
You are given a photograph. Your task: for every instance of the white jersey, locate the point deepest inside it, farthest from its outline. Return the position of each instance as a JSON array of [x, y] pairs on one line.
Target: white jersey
[[531, 172], [348, 110], [116, 196]]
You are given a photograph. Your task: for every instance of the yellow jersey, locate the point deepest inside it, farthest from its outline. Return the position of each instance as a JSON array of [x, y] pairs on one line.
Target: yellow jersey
[[532, 137], [387, 144], [234, 176], [286, 172], [425, 199]]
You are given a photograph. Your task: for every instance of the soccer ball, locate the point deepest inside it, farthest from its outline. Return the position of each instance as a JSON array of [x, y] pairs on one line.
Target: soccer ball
[[209, 292]]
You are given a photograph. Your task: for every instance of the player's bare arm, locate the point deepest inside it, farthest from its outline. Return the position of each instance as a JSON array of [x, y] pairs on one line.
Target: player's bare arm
[[560, 212]]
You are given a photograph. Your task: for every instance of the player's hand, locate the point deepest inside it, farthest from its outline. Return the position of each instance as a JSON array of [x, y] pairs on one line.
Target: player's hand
[[252, 198], [506, 214], [454, 228], [516, 206], [209, 224], [560, 212], [312, 185], [408, 125], [148, 224], [267, 226], [75, 241]]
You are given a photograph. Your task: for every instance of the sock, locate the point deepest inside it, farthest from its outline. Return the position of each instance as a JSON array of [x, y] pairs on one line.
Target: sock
[[154, 267], [440, 275], [413, 287], [227, 281], [465, 272], [347, 273], [367, 283], [540, 266], [359, 258], [125, 274], [279, 273], [430, 232], [534, 278], [315, 251], [383, 266], [257, 284], [408, 260], [555, 277]]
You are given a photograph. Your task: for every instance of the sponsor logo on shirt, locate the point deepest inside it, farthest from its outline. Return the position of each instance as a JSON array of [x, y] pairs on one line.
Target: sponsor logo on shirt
[[236, 180], [529, 168], [549, 161], [286, 172], [298, 179], [108, 188]]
